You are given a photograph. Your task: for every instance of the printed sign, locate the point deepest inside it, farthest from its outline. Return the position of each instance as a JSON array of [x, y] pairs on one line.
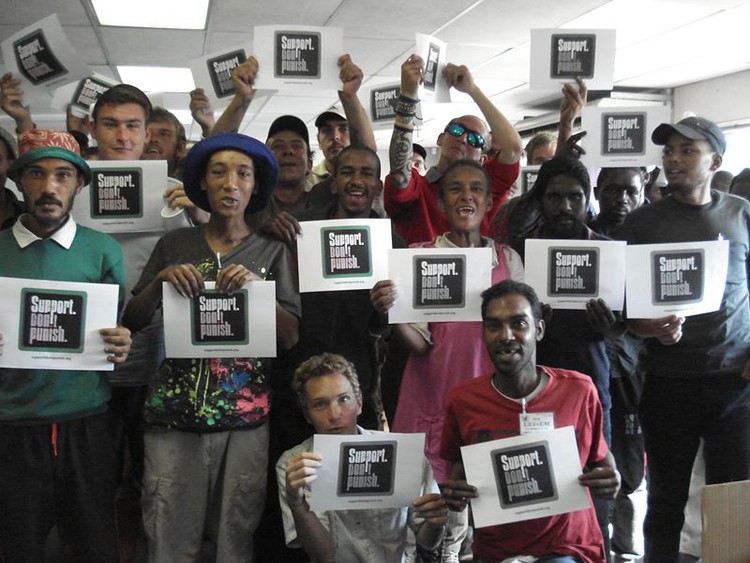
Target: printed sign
[[572, 55], [559, 56], [527, 177], [439, 284], [346, 251], [55, 325], [441, 281], [621, 137], [295, 57], [676, 278], [525, 477], [88, 91], [383, 103], [116, 193], [220, 325], [342, 254], [220, 71], [367, 468], [42, 55], [360, 471], [219, 318], [435, 54], [566, 274], [576, 272]]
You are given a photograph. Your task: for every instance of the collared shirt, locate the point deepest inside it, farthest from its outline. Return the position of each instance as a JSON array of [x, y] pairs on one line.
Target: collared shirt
[[319, 172], [63, 236]]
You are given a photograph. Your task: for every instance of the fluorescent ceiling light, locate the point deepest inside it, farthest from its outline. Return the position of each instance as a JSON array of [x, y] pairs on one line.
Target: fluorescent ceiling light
[[163, 14], [157, 79]]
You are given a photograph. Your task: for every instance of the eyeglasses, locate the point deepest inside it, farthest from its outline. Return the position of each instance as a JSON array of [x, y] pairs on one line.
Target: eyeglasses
[[472, 137]]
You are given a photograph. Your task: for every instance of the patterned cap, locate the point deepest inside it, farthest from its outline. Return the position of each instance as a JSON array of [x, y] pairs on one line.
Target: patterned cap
[[37, 144]]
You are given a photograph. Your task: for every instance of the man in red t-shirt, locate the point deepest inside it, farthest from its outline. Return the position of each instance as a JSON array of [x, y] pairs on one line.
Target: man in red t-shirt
[[488, 408], [410, 199]]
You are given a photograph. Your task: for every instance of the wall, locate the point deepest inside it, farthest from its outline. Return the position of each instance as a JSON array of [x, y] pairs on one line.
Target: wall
[[724, 100]]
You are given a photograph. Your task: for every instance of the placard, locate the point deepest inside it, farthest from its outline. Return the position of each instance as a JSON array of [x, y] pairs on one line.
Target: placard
[[81, 95], [55, 325], [42, 56], [221, 325], [566, 274], [383, 103], [527, 178], [683, 279], [124, 196], [621, 137], [296, 57], [439, 284], [559, 55], [525, 477], [365, 471], [343, 254], [213, 73], [434, 52]]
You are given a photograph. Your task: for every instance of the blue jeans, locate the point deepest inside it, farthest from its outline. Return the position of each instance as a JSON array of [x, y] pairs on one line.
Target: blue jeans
[[675, 414]]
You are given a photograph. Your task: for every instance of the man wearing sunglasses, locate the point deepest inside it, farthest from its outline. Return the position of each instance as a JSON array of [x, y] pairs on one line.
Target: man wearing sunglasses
[[410, 199]]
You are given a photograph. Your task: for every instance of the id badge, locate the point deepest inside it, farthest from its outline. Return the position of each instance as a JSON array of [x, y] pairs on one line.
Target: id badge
[[532, 422]]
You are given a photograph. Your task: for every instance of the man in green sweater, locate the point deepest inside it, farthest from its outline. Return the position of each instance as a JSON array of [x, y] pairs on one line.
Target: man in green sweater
[[57, 462]]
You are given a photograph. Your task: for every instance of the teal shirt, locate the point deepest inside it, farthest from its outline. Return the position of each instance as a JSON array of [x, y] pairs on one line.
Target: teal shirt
[[36, 396]]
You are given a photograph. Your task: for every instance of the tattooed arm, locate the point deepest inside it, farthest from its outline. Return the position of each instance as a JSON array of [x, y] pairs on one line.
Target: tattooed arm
[[400, 151]]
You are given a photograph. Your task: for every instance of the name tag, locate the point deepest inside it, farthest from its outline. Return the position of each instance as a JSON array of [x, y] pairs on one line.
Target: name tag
[[532, 422]]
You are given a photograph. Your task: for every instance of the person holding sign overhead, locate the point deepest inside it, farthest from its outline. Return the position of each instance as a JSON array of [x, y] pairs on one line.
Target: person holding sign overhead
[[518, 397], [58, 464], [206, 450], [694, 367], [328, 391], [411, 200]]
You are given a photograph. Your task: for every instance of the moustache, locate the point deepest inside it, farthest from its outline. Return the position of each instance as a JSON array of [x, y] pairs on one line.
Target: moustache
[[48, 199]]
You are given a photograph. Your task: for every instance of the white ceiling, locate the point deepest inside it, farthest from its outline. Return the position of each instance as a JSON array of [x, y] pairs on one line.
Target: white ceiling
[[661, 44]]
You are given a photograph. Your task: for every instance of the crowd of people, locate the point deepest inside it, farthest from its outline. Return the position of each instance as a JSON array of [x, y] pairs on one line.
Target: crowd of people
[[217, 453]]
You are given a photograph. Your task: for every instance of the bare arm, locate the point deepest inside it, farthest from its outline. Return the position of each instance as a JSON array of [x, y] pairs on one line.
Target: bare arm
[[200, 109], [360, 128], [382, 296], [601, 478], [243, 78], [434, 510], [505, 139], [573, 100], [400, 151], [11, 101]]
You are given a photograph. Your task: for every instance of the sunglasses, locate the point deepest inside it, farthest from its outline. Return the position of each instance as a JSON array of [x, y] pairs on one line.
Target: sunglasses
[[472, 137]]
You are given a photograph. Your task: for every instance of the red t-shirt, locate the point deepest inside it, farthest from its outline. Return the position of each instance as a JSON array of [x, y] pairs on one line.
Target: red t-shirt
[[476, 412], [414, 210]]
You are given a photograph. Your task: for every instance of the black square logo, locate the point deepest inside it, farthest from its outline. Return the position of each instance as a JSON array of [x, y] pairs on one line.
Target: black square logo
[[35, 60], [383, 103], [219, 318], [52, 321], [116, 192], [88, 91], [346, 252], [367, 468], [524, 474], [572, 55], [298, 54], [573, 271], [439, 281], [624, 133], [431, 67], [220, 70], [678, 276]]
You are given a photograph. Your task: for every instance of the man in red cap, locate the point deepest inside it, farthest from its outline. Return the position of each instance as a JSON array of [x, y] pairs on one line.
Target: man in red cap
[[57, 463]]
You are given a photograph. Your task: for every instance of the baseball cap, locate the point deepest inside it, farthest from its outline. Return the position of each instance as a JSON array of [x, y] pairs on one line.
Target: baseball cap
[[332, 113], [289, 123], [694, 128]]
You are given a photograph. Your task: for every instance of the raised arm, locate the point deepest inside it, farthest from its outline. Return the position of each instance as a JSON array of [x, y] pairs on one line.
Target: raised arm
[[573, 100], [200, 109], [401, 150], [505, 139], [11, 101], [360, 128], [243, 78]]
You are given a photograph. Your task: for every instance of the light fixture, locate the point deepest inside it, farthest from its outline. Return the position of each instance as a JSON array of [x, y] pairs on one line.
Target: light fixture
[[162, 14], [157, 79]]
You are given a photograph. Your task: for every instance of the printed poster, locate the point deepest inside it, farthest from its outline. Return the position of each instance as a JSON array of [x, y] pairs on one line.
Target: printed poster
[[343, 254], [559, 55], [365, 471], [213, 73], [439, 284], [42, 55], [55, 325], [296, 57], [383, 103], [221, 325], [434, 53], [81, 95], [125, 196], [527, 178], [683, 279], [566, 274], [525, 477], [621, 136]]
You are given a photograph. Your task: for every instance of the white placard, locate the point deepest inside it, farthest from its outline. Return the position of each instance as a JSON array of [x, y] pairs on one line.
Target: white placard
[[298, 57], [383, 103], [559, 55], [221, 325], [439, 284], [55, 324], [43, 57], [343, 254], [525, 477], [435, 55], [566, 274], [81, 95], [621, 136], [213, 73], [365, 471], [125, 196], [685, 279]]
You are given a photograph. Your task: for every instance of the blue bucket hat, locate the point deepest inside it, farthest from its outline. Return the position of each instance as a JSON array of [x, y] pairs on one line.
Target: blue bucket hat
[[266, 169]]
